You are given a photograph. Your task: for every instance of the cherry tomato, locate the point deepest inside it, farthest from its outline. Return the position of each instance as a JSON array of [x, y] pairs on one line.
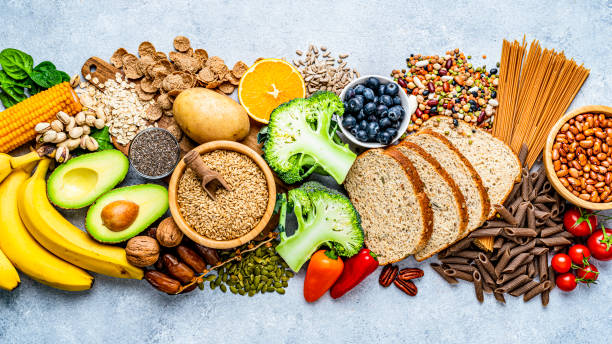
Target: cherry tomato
[[579, 222], [587, 274], [561, 262], [580, 254], [600, 244], [566, 281]]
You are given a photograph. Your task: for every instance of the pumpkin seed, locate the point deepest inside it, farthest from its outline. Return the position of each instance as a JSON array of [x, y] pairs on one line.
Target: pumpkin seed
[[212, 286], [233, 290], [280, 291], [210, 278], [270, 289], [251, 293], [223, 288], [285, 284], [241, 292]]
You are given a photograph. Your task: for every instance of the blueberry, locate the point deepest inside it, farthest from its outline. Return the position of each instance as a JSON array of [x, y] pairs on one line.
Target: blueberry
[[368, 94], [399, 109], [376, 100], [346, 108], [475, 93], [493, 70], [372, 83], [361, 98], [381, 90], [384, 138], [363, 125], [391, 89], [380, 109], [354, 131], [384, 123], [355, 105], [362, 135], [392, 132], [493, 94], [350, 93], [433, 110], [397, 100], [361, 115], [396, 125], [386, 100], [394, 114], [372, 118], [425, 93], [359, 89], [369, 108], [373, 130], [349, 122], [384, 114], [472, 101]]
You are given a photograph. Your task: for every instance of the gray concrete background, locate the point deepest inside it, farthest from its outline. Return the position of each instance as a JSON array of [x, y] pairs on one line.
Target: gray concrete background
[[378, 35]]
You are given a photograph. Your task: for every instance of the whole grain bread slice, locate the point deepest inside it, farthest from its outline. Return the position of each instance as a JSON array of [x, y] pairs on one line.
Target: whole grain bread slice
[[388, 194], [446, 200], [494, 161], [461, 171]]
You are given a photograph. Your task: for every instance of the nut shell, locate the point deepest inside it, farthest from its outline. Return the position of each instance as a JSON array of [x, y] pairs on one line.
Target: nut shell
[[168, 234], [142, 251]]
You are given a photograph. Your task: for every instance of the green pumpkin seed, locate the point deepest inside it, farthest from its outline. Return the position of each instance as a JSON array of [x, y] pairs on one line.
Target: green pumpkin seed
[[270, 289], [285, 284], [280, 291], [278, 284], [251, 293], [201, 286], [212, 286], [284, 278], [234, 290], [223, 288], [210, 278], [241, 292]]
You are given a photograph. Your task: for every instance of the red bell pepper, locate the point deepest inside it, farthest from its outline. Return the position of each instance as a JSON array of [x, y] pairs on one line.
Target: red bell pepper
[[323, 270], [356, 269]]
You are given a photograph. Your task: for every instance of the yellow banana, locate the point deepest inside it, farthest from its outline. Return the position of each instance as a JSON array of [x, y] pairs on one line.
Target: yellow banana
[[62, 238], [9, 279], [8, 163], [27, 255]]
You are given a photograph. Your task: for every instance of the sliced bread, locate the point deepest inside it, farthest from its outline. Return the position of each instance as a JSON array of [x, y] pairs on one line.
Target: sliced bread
[[494, 161], [388, 194], [446, 201], [461, 171]]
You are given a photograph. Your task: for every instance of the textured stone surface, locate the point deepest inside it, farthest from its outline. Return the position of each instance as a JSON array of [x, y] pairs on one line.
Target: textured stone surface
[[378, 34]]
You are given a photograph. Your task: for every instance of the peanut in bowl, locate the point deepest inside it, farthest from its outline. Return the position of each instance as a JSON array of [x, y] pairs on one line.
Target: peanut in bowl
[[578, 157]]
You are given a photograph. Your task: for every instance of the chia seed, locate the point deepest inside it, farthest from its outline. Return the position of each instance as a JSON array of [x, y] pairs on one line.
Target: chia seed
[[154, 153]]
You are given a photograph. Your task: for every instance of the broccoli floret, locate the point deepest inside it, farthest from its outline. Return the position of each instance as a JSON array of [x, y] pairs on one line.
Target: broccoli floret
[[325, 217], [301, 139]]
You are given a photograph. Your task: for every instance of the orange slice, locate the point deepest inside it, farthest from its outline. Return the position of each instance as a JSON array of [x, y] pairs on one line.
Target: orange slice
[[268, 84]]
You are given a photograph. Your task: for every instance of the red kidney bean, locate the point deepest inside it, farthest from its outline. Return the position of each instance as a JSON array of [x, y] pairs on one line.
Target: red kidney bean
[[431, 87], [402, 83]]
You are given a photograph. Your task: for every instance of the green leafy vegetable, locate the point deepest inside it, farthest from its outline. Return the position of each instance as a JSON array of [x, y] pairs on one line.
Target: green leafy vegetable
[[103, 138], [7, 100], [16, 63], [46, 75]]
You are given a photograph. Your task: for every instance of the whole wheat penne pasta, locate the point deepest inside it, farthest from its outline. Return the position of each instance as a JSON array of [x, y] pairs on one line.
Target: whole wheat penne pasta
[[499, 297], [540, 222], [545, 297], [455, 260], [554, 241], [483, 272], [507, 277], [543, 266], [513, 284], [486, 263], [520, 232], [524, 248], [467, 254], [540, 288], [440, 270], [458, 274], [543, 215], [543, 207], [531, 220], [562, 206], [539, 181], [531, 269], [495, 224], [520, 259], [511, 196], [536, 251], [544, 199], [503, 262], [522, 154], [513, 206], [550, 231], [498, 243], [550, 223], [505, 214], [546, 294], [520, 213], [545, 188], [487, 288], [564, 234], [556, 249], [527, 185], [508, 245], [524, 288], [486, 232], [477, 280], [462, 267], [460, 245]]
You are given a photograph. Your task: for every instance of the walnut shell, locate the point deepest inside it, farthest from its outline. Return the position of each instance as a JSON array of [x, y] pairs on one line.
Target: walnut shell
[[168, 234], [142, 251]]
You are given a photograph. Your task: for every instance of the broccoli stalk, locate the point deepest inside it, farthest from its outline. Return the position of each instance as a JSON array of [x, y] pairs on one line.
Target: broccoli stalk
[[301, 138], [325, 217]]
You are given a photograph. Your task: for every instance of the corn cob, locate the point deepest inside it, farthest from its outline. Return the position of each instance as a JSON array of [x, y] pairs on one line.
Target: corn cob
[[17, 122]]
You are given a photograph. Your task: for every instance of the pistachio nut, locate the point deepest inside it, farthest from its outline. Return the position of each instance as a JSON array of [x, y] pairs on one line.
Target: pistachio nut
[[72, 144], [89, 120], [57, 125], [86, 130], [61, 137], [76, 132], [63, 117], [80, 118], [49, 135], [83, 141], [62, 154], [42, 127], [99, 123], [70, 124], [91, 144]]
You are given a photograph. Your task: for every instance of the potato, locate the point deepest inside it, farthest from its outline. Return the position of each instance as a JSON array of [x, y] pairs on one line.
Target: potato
[[205, 115]]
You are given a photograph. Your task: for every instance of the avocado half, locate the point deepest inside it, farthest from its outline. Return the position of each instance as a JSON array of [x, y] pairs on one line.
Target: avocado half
[[152, 201], [81, 180]]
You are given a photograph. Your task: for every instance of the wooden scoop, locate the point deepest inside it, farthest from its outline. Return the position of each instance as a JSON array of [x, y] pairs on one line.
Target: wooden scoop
[[193, 160]]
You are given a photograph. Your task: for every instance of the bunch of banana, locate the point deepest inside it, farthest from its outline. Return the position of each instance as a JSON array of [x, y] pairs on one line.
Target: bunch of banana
[[9, 163]]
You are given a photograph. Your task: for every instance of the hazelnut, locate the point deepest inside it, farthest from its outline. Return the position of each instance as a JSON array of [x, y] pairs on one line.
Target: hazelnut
[[168, 234], [142, 251], [119, 215]]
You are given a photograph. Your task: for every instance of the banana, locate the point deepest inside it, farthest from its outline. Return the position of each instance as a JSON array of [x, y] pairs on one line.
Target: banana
[[8, 163], [9, 279], [62, 238], [27, 254]]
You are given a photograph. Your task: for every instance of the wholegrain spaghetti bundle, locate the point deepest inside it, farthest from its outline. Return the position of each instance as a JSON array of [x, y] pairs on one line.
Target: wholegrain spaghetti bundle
[[534, 91]]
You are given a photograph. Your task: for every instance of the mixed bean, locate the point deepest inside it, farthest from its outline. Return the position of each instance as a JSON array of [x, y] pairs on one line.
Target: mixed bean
[[449, 85], [582, 157]]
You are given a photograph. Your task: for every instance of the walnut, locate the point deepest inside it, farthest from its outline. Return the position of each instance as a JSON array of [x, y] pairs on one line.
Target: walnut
[[142, 251], [168, 234]]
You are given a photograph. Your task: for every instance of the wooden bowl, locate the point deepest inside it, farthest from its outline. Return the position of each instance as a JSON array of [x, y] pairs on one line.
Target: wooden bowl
[[548, 164], [222, 244]]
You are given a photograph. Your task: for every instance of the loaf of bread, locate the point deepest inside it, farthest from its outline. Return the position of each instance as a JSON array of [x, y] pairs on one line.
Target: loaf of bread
[[388, 194]]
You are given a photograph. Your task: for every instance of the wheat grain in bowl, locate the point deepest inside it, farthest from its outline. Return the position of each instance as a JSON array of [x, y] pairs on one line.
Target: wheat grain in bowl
[[234, 212]]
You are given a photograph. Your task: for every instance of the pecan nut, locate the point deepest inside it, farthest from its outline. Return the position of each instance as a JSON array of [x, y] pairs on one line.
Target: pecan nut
[[388, 275], [410, 273], [406, 286], [163, 282]]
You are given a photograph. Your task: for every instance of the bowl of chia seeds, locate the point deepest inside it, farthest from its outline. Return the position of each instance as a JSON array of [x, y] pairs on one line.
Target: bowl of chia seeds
[[154, 153]]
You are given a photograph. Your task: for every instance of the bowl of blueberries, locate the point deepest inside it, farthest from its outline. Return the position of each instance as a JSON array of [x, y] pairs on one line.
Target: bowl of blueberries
[[376, 111]]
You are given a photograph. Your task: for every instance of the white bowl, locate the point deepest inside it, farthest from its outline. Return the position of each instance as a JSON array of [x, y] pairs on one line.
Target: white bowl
[[409, 104]]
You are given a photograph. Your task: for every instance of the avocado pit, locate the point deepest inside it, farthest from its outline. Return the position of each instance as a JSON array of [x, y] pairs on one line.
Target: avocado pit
[[119, 215]]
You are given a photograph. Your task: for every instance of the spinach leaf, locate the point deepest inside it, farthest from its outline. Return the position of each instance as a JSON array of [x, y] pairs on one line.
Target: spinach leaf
[[103, 138], [7, 101], [45, 75], [15, 92], [7, 80], [16, 63], [32, 87]]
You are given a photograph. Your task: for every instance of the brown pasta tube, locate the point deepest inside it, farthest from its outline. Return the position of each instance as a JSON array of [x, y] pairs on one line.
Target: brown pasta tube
[[499, 297], [508, 245], [520, 213], [487, 288], [486, 232], [565, 234], [543, 266], [486, 263], [460, 245], [462, 267], [522, 154], [531, 269], [513, 284], [524, 288], [455, 260], [536, 251], [524, 248], [562, 206], [540, 222], [513, 206], [545, 188], [507, 277], [550, 231], [511, 196], [458, 274], [503, 262], [527, 185], [554, 241], [484, 273], [517, 261], [540, 288], [531, 220], [495, 224], [546, 294], [478, 286], [467, 254], [544, 199], [505, 214], [520, 232], [543, 207], [541, 215], [498, 243], [440, 270], [539, 180]]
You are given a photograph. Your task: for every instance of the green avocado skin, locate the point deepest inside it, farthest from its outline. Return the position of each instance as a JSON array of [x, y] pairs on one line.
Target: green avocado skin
[[100, 172], [152, 201]]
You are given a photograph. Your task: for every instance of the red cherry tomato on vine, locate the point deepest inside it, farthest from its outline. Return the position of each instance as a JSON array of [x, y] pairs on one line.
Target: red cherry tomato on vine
[[580, 254], [600, 244], [579, 222], [566, 281], [587, 274], [561, 262]]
